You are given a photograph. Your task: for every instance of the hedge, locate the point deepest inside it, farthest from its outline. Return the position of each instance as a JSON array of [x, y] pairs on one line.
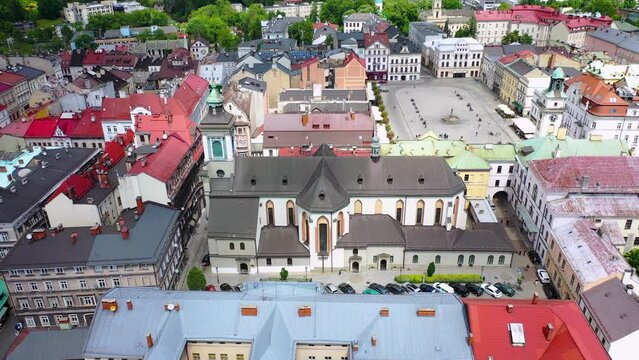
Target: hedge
[[460, 278]]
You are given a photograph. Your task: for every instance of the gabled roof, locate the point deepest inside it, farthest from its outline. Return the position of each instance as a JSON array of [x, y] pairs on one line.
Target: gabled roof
[[42, 128], [192, 89], [370, 39], [16, 128], [89, 125], [282, 241], [10, 78], [572, 339], [550, 146], [163, 163], [323, 192]]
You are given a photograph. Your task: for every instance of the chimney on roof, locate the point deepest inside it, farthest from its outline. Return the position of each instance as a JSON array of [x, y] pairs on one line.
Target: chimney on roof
[[140, 205], [74, 238], [92, 118], [510, 308], [129, 304], [125, 233], [96, 230], [355, 346], [630, 289], [549, 331], [149, 341], [535, 298], [470, 339], [305, 119], [585, 180], [374, 340], [103, 179]]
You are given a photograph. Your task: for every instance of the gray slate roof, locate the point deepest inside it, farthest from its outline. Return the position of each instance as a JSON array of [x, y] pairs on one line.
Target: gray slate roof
[[26, 71], [281, 241], [327, 94], [41, 182], [376, 230], [616, 312], [610, 35], [51, 344], [233, 217], [147, 237], [521, 67], [268, 172], [336, 319], [323, 192]]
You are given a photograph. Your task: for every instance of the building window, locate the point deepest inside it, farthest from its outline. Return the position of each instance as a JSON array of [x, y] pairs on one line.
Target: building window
[[116, 282], [438, 259], [30, 322], [466, 177], [305, 228], [231, 246], [101, 283], [289, 261], [439, 208], [268, 261], [18, 287], [378, 206], [39, 303], [502, 260], [242, 246], [23, 304], [87, 300], [83, 284], [44, 271], [53, 302], [270, 213], [33, 286], [340, 224], [323, 232], [399, 210], [290, 213], [419, 218], [357, 207], [63, 285], [490, 260], [628, 224], [471, 260], [79, 269], [73, 319], [196, 356], [48, 285], [415, 259]]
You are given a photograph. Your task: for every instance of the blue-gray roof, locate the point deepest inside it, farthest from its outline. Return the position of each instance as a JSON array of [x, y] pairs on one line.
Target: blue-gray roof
[[26, 71], [148, 236], [51, 344], [335, 319], [610, 35]]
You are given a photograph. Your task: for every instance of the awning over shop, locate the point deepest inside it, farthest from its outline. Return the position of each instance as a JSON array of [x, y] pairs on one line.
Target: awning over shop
[[526, 219]]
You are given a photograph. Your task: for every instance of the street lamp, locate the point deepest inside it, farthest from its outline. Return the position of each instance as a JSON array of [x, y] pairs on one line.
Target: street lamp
[[305, 272], [217, 274]]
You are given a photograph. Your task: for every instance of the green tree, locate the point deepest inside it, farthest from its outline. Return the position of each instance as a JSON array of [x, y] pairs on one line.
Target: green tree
[[302, 32], [67, 34], [333, 11], [632, 257], [629, 4], [367, 9], [526, 39], [431, 269], [451, 4], [400, 13], [196, 280], [314, 15], [511, 37], [12, 10], [504, 6], [463, 32], [605, 7], [446, 28], [283, 274], [85, 41], [50, 9], [250, 21]]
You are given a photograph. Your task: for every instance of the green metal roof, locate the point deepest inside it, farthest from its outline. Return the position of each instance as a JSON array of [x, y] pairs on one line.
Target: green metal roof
[[529, 224], [558, 73], [453, 151], [214, 98], [625, 26], [546, 148], [493, 152]]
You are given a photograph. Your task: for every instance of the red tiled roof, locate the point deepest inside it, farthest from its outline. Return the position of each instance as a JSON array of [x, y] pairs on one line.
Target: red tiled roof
[[573, 338], [116, 148], [42, 128], [10, 78], [2, 107], [187, 96], [164, 162], [88, 128], [159, 125], [16, 128], [566, 174], [4, 87], [81, 184], [179, 53], [93, 58], [65, 59], [542, 15], [523, 54], [120, 108], [67, 125], [319, 25], [352, 56], [371, 39]]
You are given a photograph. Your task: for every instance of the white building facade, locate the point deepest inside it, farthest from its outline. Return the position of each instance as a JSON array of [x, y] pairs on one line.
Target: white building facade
[[453, 57]]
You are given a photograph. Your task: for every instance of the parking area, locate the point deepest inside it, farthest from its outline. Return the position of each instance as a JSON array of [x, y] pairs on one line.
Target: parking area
[[458, 108]]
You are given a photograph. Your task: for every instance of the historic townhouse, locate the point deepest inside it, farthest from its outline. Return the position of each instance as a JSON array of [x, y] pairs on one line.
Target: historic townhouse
[[453, 57], [377, 48], [547, 106], [57, 276], [404, 61], [350, 213]]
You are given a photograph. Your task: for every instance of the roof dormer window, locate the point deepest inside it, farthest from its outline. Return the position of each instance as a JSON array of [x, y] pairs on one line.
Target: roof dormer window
[[389, 179], [420, 179], [284, 180], [253, 180], [360, 179]]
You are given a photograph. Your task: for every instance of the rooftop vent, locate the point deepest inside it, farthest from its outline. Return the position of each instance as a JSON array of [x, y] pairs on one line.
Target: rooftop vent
[[129, 305], [322, 196], [383, 312], [549, 331], [171, 307], [360, 179], [249, 310], [253, 181], [284, 180], [110, 304], [389, 179], [304, 311], [420, 179], [425, 312], [24, 181]]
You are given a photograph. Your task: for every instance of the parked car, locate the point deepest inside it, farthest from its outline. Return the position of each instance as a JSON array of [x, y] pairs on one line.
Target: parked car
[[346, 288], [210, 287], [534, 257], [543, 276], [491, 290], [206, 260], [444, 288], [379, 288], [475, 289], [505, 289], [330, 289], [370, 291], [410, 287], [426, 288], [395, 289], [237, 287], [460, 289], [226, 287], [550, 291]]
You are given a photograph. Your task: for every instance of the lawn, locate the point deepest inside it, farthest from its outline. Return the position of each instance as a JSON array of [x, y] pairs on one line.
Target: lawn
[[46, 22]]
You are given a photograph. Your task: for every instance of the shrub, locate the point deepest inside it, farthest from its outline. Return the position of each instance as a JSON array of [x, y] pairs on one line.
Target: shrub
[[431, 269], [390, 135], [385, 121], [196, 279], [388, 128], [283, 274], [384, 114], [382, 108], [460, 278]]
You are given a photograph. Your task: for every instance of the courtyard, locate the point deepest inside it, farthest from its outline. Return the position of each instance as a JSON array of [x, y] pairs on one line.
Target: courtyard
[[459, 108]]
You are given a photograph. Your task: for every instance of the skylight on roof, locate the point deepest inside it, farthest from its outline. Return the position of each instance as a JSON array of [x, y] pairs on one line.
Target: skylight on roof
[[517, 334]]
